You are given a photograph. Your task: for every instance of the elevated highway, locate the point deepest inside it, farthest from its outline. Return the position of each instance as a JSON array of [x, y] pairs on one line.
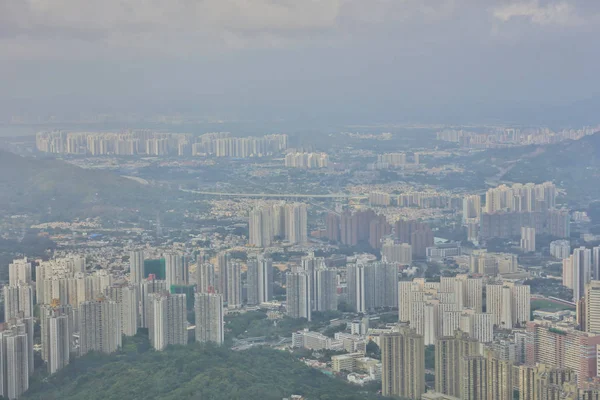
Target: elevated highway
[[278, 195]]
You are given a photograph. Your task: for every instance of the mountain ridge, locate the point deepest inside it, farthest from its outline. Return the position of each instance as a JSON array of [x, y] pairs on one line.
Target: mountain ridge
[[572, 164], [43, 186]]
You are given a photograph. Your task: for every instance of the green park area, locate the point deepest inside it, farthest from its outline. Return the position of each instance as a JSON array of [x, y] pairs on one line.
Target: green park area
[[195, 371], [547, 305]]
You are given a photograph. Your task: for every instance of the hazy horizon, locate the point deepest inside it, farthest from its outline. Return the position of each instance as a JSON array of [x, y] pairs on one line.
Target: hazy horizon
[[299, 199], [328, 61]]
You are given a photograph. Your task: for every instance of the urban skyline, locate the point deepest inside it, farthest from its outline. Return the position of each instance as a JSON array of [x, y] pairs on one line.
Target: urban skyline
[[279, 200]]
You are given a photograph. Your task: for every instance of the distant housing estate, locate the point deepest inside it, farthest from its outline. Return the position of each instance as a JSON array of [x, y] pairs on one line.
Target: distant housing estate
[[149, 143]]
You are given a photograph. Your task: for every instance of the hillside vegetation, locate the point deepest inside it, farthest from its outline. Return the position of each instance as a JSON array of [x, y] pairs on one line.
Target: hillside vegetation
[[42, 186], [191, 372], [573, 164]]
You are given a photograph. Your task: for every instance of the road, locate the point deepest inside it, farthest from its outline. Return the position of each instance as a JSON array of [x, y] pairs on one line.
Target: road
[[553, 300], [279, 195]]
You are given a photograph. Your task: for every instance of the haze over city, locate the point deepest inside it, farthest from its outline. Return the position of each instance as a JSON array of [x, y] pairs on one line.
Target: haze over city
[[332, 60], [299, 200]]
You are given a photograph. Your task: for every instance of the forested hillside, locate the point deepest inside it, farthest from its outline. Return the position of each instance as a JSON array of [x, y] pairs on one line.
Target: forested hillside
[[58, 190], [191, 372]]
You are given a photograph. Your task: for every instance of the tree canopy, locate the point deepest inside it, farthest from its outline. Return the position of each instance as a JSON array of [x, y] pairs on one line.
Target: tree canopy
[[190, 372]]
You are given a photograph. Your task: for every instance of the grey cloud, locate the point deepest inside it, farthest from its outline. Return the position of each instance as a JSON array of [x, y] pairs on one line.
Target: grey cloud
[[136, 16], [31, 28], [73, 28], [554, 12], [96, 17], [203, 24], [288, 55]]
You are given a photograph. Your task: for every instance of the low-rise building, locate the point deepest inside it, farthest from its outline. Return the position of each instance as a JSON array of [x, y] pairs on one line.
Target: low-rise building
[[345, 362], [443, 250], [365, 364], [314, 341], [437, 396], [352, 343]]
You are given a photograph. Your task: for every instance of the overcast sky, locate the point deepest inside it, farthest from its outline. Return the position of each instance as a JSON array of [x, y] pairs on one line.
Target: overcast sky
[[392, 60]]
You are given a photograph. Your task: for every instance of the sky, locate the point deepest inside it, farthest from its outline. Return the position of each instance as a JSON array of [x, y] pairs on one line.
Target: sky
[[346, 60]]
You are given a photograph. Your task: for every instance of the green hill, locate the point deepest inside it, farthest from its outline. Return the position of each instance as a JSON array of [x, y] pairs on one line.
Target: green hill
[[573, 165], [43, 186], [191, 372]]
